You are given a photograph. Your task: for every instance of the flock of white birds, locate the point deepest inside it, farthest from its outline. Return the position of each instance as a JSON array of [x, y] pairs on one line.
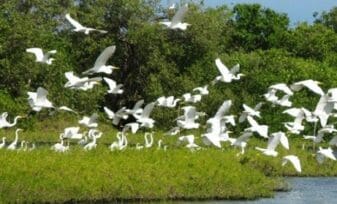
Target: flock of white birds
[[218, 125]]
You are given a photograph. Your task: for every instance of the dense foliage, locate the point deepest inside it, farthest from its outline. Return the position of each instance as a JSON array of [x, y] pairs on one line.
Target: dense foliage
[[155, 61]]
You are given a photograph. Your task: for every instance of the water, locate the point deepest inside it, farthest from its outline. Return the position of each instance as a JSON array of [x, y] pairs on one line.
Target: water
[[304, 190]]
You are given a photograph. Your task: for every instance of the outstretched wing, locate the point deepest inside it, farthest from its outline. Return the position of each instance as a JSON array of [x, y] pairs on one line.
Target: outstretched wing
[[179, 16], [73, 22], [111, 83], [104, 56], [37, 52], [221, 67]]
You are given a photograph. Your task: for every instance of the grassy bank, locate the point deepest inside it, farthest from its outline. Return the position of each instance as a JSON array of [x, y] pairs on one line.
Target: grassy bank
[[149, 174], [43, 175]]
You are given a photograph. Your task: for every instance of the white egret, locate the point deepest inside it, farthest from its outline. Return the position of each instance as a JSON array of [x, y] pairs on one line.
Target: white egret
[[116, 117], [262, 130], [241, 141], [114, 88], [281, 87], [80, 28], [72, 133], [38, 100], [169, 102], [274, 140], [4, 123], [137, 108], [213, 134], [60, 147], [293, 160], [310, 84], [144, 118], [284, 101], [202, 90], [227, 75], [133, 126], [324, 153], [190, 142], [3, 144], [148, 137], [190, 115], [323, 109], [188, 97], [173, 131], [84, 83], [94, 134], [40, 56], [100, 63], [89, 122], [248, 111], [176, 22], [12, 146], [121, 142]]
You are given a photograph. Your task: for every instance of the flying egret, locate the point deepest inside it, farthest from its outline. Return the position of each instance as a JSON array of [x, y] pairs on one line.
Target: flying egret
[[144, 118], [90, 122], [241, 141], [227, 75], [248, 111], [40, 56], [262, 130], [85, 83], [310, 84], [38, 100], [323, 109], [188, 97], [190, 142], [133, 126], [214, 132], [72, 133], [116, 117], [176, 22], [137, 108], [293, 160], [12, 146], [80, 28], [114, 88], [274, 140], [100, 63], [169, 102], [324, 153], [281, 87], [190, 115], [173, 131], [4, 123]]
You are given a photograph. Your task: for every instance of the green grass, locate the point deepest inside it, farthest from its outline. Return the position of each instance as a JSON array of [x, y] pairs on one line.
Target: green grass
[[43, 175]]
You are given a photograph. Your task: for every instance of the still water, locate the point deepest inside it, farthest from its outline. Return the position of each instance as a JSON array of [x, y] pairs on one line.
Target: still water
[[304, 190]]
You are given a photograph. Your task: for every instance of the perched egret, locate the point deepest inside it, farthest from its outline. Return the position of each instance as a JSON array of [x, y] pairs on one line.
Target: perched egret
[[12, 146], [3, 144]]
